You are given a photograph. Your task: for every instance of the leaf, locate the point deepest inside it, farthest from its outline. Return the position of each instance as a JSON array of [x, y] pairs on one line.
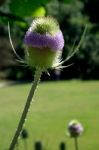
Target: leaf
[[39, 12], [25, 7], [68, 1]]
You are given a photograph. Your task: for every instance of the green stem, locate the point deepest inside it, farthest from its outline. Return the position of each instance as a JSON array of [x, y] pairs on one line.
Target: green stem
[[17, 146], [76, 143], [26, 108], [25, 145]]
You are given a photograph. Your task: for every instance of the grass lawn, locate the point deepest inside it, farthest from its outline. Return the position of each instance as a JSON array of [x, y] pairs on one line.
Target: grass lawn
[[55, 104]]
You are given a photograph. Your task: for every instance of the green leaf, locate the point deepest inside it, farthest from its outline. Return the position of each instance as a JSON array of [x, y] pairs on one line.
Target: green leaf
[[39, 12], [25, 7], [68, 1]]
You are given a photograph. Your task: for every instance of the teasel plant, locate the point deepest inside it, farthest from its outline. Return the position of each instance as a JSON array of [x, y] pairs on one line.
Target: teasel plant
[[44, 44], [75, 129]]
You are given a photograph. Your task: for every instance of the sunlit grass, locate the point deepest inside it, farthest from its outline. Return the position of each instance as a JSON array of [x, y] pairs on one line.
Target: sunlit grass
[[55, 104]]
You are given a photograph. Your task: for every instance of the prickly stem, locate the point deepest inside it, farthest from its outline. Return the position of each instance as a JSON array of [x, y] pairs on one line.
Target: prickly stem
[[26, 108]]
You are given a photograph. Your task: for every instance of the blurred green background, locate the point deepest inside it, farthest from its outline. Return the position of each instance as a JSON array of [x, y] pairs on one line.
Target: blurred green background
[[72, 16], [55, 105]]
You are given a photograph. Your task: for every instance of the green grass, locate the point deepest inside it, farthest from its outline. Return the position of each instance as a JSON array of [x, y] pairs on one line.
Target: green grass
[[55, 104]]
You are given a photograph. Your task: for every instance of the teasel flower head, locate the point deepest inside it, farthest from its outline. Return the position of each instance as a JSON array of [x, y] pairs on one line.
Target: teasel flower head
[[75, 128], [44, 43]]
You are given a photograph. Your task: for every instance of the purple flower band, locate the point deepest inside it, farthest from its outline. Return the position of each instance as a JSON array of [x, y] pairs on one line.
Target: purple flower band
[[34, 39], [76, 128]]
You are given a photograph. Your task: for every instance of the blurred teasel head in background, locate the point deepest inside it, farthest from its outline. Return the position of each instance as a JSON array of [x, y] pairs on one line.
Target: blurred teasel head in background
[[24, 134], [75, 128]]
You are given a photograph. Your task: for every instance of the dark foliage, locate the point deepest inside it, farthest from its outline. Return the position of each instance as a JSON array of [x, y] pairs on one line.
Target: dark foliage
[[72, 15]]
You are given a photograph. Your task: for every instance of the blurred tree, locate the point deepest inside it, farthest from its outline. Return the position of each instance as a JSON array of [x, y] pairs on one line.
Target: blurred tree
[[92, 10], [72, 21], [72, 15], [2, 2], [19, 14], [6, 57]]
